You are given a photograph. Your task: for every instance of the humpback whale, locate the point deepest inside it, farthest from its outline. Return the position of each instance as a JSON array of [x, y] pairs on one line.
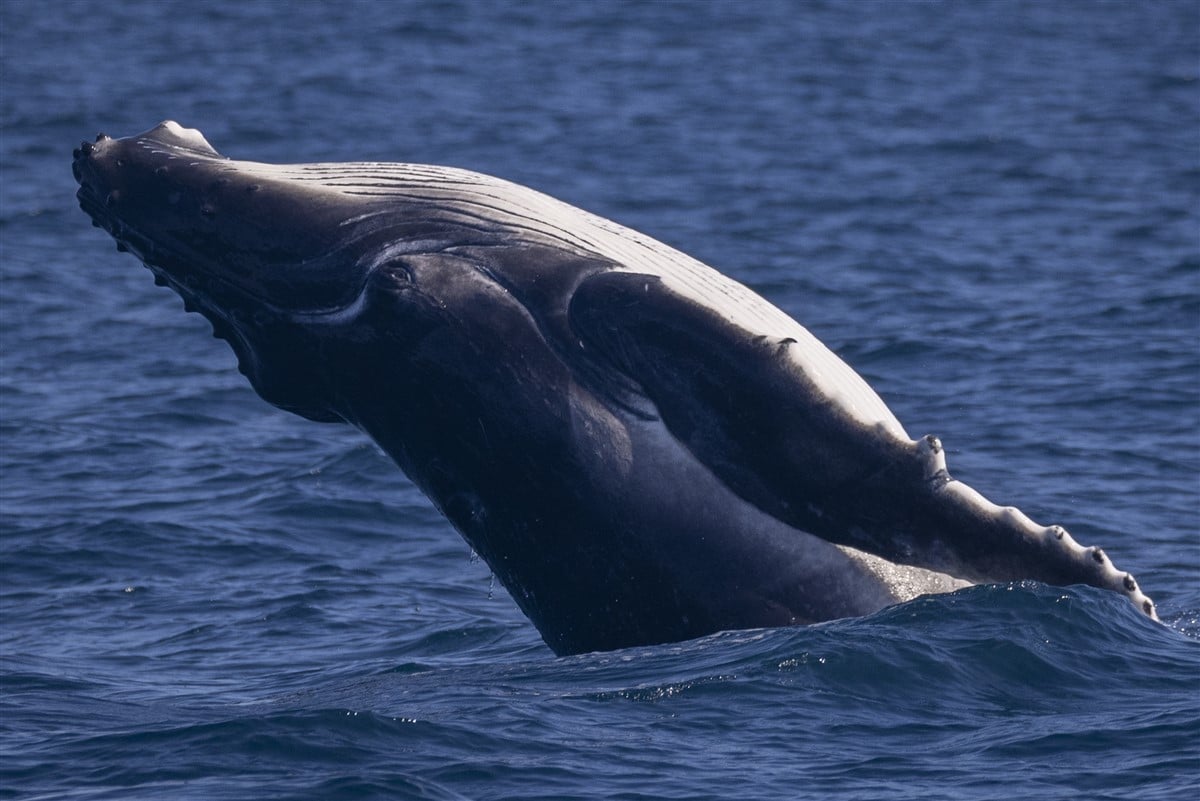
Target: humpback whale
[[642, 449]]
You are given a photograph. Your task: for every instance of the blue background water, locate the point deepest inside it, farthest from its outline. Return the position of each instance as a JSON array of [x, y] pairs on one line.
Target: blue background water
[[991, 210]]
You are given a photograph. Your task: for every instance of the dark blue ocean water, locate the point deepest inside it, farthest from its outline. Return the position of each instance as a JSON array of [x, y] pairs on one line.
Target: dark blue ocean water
[[991, 210]]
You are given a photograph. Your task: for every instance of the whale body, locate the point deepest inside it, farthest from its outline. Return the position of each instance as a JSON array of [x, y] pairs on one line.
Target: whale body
[[642, 449]]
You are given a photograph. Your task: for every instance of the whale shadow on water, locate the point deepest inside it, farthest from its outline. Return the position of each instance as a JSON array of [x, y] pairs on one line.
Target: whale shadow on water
[[642, 449]]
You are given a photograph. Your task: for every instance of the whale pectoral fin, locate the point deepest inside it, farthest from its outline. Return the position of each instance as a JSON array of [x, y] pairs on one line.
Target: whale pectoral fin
[[742, 401], [794, 431]]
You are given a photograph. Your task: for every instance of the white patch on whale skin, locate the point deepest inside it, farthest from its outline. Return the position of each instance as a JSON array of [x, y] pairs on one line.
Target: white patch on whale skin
[[531, 213], [192, 140], [190, 135], [905, 582]]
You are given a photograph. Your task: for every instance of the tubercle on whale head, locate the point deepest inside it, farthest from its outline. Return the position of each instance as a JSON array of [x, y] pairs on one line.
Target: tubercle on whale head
[[168, 134]]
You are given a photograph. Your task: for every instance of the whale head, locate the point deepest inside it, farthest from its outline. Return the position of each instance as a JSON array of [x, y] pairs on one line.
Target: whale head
[[282, 261]]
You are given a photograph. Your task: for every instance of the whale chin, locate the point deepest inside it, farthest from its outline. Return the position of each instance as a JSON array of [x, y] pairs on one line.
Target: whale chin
[[642, 449]]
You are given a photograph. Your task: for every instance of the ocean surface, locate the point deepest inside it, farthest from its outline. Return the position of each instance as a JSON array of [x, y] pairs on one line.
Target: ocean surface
[[990, 209]]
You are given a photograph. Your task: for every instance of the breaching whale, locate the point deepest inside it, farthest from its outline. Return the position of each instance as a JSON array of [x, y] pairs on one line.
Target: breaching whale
[[642, 449]]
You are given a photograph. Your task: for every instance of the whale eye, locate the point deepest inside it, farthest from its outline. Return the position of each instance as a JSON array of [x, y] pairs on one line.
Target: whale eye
[[397, 270]]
